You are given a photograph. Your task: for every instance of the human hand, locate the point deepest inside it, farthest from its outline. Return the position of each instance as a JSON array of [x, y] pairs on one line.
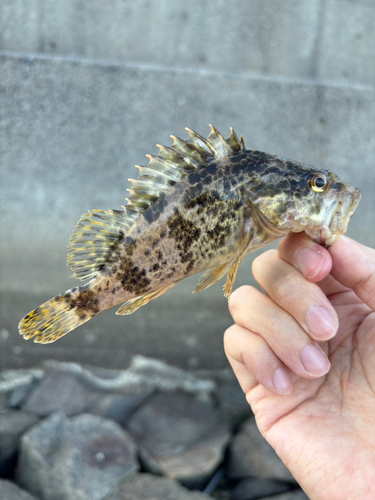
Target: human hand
[[316, 410]]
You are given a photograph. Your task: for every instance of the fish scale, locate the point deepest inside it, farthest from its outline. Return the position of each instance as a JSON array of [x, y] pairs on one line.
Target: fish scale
[[200, 205]]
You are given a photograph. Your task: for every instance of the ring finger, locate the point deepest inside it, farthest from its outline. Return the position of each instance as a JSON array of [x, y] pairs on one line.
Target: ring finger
[[253, 361]]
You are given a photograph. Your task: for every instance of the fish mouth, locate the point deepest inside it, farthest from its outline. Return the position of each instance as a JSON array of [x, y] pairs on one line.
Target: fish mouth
[[338, 223]]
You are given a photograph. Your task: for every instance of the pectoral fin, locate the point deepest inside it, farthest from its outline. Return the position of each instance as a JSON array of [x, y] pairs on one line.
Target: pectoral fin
[[235, 264], [213, 275], [133, 304]]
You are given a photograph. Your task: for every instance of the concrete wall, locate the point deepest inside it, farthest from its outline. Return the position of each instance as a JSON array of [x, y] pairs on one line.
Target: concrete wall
[[87, 89], [329, 39]]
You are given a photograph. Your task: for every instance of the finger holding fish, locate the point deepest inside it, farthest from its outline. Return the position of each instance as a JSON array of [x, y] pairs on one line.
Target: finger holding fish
[[313, 261]]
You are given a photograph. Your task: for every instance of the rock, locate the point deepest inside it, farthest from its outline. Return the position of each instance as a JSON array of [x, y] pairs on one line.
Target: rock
[[80, 458], [222, 495], [165, 377], [143, 375], [252, 488], [9, 491], [291, 495], [59, 391], [115, 394], [118, 407], [15, 386], [20, 394], [74, 389], [233, 404], [179, 437], [148, 487], [13, 424], [251, 455]]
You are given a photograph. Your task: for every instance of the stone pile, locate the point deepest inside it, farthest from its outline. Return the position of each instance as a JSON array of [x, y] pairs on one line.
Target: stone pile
[[69, 432]]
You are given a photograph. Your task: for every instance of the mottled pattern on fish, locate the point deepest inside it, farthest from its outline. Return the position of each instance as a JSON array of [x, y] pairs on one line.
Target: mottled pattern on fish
[[201, 205]]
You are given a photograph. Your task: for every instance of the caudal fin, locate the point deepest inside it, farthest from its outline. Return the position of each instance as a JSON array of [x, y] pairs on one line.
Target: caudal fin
[[52, 320]]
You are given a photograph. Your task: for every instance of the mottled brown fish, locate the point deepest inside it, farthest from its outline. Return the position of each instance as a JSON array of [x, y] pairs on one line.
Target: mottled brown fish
[[200, 205]]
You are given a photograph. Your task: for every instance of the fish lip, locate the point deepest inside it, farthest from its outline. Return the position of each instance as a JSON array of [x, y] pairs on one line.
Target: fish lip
[[326, 234], [345, 213], [356, 199]]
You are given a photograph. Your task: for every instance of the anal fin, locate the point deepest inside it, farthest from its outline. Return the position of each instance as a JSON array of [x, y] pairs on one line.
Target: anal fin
[[133, 305], [212, 276]]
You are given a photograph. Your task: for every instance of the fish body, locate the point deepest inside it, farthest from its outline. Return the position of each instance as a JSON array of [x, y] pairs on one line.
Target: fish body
[[201, 205]]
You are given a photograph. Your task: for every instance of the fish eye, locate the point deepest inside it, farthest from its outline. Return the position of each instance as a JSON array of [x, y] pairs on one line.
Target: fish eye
[[318, 183]]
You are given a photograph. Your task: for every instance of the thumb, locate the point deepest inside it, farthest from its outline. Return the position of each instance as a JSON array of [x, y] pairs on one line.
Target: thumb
[[353, 265]]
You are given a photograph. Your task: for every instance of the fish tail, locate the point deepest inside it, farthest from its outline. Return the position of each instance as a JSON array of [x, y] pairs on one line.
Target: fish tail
[[55, 318]]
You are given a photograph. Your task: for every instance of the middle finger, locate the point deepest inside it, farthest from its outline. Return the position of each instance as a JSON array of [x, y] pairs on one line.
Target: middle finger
[[302, 299], [259, 314]]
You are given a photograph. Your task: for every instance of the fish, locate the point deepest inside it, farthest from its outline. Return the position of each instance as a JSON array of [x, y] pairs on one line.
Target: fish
[[200, 205]]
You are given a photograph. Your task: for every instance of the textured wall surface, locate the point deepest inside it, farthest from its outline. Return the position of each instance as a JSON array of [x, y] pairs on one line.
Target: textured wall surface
[[330, 39], [87, 89]]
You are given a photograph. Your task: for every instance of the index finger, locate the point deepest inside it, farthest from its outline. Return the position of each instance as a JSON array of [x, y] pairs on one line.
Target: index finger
[[310, 259], [350, 264]]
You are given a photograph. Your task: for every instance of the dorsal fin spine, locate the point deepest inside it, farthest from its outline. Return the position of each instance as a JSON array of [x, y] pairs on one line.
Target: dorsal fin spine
[[147, 185], [170, 159], [176, 158], [233, 141], [195, 139], [218, 141], [164, 167], [185, 151], [153, 173], [188, 150]]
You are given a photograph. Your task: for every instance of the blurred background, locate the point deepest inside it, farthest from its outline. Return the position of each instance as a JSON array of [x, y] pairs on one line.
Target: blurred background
[[87, 88]]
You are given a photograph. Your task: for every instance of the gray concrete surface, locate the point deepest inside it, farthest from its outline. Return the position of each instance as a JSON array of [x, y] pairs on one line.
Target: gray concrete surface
[[330, 39], [99, 84], [347, 48]]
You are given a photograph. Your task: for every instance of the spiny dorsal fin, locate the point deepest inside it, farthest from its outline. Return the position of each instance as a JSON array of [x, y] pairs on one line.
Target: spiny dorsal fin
[[97, 231], [173, 163]]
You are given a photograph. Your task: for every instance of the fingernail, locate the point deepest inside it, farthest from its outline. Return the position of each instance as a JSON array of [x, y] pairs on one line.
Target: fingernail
[[309, 262], [321, 323], [314, 360], [281, 381]]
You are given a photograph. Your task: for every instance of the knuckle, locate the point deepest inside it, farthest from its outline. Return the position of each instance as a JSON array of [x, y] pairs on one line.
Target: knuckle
[[285, 285], [229, 336], [282, 322], [367, 286], [261, 260], [286, 248], [237, 298]]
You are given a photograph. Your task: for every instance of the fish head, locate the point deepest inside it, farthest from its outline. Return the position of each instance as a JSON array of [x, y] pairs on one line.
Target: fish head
[[294, 197], [335, 204]]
